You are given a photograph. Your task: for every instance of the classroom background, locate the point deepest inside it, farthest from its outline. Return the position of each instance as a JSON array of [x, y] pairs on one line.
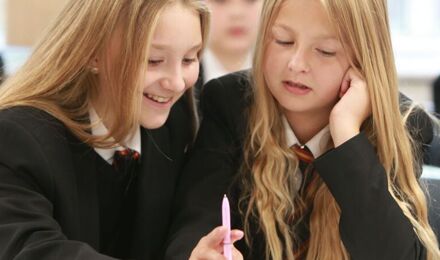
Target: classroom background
[[415, 26]]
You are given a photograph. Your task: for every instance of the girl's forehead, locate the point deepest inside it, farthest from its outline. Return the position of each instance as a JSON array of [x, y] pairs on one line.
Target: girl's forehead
[[305, 15]]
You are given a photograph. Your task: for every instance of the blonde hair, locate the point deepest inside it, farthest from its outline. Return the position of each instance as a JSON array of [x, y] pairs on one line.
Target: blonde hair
[[268, 186], [57, 77]]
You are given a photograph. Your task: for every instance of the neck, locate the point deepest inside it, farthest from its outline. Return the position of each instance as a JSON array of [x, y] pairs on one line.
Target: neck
[[230, 60], [307, 125]]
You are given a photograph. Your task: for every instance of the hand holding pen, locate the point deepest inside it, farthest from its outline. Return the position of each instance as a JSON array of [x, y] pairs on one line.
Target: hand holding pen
[[219, 243]]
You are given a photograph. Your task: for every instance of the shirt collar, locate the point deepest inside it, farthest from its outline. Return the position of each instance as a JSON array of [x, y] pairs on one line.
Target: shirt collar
[[99, 129], [317, 145], [212, 68]]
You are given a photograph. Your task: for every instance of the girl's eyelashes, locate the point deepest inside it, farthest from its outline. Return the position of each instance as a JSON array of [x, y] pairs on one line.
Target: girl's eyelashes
[[189, 61], [326, 53], [154, 62], [284, 43], [185, 61]]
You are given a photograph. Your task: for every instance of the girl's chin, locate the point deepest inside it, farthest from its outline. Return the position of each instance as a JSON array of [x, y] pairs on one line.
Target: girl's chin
[[152, 119]]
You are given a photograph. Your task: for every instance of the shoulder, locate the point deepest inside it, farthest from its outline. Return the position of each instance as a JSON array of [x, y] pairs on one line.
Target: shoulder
[[234, 87], [31, 135], [31, 121], [227, 97], [32, 142], [418, 122]]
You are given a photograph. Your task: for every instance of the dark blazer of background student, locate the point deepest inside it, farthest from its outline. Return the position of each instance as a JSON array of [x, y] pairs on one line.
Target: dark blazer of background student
[[49, 203], [216, 158]]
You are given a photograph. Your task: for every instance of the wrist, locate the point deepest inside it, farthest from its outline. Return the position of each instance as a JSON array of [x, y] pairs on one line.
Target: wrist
[[343, 134]]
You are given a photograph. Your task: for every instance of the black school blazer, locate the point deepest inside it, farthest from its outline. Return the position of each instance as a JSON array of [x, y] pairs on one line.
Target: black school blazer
[[48, 187], [372, 226]]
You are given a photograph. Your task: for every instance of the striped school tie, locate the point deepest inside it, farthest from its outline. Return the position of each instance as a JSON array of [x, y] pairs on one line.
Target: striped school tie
[[125, 162], [304, 204]]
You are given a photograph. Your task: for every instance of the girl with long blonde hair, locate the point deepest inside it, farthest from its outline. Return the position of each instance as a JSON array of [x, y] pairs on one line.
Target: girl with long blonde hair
[[94, 129], [323, 85]]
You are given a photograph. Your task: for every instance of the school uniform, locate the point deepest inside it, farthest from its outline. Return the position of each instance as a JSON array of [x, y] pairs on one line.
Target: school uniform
[[62, 199], [211, 68], [372, 226]]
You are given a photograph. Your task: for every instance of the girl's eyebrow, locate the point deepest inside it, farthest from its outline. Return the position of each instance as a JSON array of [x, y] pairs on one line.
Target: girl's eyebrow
[[159, 46], [323, 36], [196, 47], [282, 26]]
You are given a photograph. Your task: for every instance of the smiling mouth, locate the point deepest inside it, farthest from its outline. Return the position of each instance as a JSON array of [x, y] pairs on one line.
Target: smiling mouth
[[158, 99]]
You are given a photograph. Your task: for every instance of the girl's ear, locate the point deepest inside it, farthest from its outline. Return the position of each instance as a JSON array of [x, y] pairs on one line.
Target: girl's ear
[[94, 65], [94, 61]]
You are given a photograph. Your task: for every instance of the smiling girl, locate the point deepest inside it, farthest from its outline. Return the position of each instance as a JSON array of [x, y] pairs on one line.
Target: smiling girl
[[94, 128]]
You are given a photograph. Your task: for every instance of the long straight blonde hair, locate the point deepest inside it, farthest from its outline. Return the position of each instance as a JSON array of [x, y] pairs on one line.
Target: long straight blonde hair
[[268, 187], [57, 76]]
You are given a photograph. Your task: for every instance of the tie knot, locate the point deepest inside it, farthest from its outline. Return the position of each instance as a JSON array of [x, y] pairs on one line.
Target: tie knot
[[124, 158], [303, 153]]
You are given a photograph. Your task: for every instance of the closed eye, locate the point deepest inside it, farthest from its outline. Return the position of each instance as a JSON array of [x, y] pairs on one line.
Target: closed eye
[[280, 42], [326, 53], [154, 62], [189, 61]]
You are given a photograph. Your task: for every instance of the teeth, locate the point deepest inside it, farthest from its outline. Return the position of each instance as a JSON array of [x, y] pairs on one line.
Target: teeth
[[158, 99], [300, 86]]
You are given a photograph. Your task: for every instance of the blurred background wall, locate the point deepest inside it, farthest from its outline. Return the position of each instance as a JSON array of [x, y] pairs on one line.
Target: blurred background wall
[[415, 26], [26, 19], [22, 22]]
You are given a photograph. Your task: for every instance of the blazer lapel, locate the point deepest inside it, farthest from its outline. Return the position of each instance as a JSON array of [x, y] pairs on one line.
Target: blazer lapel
[[152, 191], [84, 162]]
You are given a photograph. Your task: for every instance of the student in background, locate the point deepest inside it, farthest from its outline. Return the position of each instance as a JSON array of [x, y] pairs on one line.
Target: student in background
[[93, 131], [323, 85], [232, 37]]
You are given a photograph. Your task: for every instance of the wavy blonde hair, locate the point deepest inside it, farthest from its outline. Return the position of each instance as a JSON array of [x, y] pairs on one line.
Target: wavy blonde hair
[[57, 76], [268, 191]]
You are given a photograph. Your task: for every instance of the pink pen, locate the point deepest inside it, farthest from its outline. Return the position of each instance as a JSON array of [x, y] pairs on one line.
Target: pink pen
[[226, 222]]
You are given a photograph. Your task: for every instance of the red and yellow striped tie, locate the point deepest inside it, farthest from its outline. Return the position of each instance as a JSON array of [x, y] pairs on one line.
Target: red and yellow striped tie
[[304, 204], [304, 155]]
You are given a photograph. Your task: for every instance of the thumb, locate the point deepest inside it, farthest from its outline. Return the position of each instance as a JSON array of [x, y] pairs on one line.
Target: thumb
[[236, 235]]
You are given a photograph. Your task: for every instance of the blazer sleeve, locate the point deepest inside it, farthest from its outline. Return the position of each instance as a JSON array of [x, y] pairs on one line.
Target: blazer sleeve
[[208, 172], [27, 227], [372, 225]]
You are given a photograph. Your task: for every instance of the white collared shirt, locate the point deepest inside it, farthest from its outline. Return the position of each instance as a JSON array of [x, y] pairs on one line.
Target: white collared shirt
[[317, 145], [99, 129], [212, 68]]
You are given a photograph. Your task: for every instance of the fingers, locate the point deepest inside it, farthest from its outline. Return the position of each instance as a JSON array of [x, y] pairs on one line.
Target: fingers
[[215, 237], [345, 83], [351, 78], [211, 246]]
